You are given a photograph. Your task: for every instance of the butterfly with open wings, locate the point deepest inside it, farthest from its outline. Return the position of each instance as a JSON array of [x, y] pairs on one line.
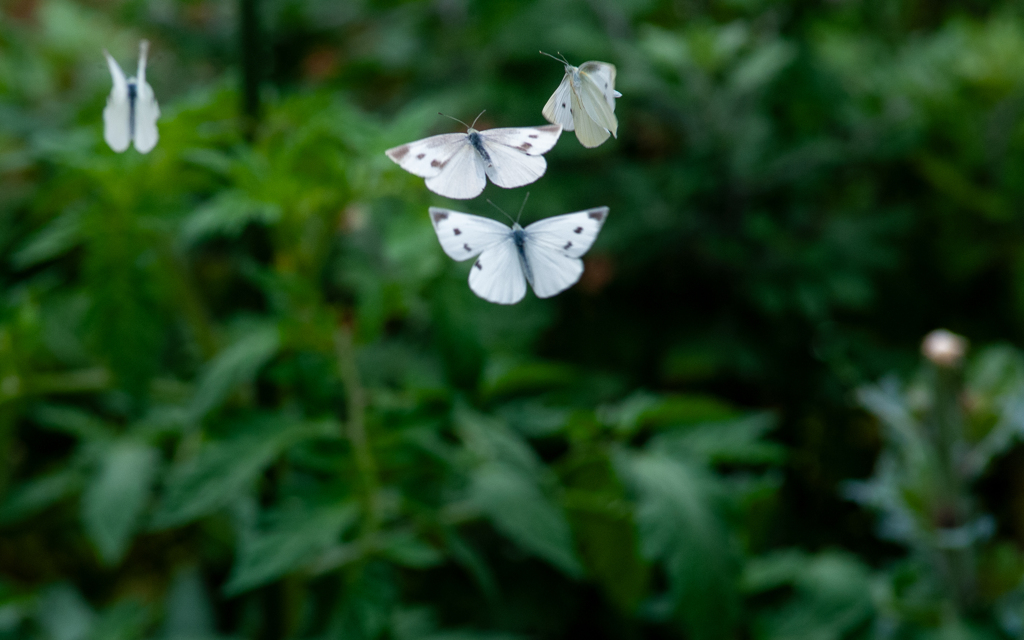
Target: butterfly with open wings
[[457, 165], [546, 253], [131, 112], [585, 102]]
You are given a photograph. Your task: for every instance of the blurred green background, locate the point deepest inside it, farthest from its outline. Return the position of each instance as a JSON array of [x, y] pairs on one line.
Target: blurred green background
[[244, 394]]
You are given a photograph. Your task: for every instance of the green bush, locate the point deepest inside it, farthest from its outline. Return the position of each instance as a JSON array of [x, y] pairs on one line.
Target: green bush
[[243, 393]]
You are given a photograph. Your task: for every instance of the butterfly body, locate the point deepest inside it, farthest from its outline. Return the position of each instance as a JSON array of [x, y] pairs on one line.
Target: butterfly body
[[132, 111], [545, 254], [584, 102], [458, 165]]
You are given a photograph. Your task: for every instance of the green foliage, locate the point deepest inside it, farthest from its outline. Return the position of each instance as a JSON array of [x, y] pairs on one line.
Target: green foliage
[[244, 394]]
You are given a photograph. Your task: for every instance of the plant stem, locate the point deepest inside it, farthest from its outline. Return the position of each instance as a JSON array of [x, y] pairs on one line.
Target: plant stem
[[249, 53], [355, 426]]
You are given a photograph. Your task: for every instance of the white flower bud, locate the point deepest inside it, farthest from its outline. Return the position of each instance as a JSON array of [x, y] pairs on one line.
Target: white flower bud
[[944, 348]]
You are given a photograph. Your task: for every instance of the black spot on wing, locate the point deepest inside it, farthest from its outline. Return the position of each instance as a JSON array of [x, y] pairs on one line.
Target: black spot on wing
[[568, 245], [478, 265], [524, 147], [466, 247], [420, 156], [534, 135], [398, 153], [458, 233], [596, 215], [578, 230], [439, 216]]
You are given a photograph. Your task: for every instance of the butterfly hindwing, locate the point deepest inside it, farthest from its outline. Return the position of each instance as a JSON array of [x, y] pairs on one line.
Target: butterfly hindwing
[[117, 113], [146, 109], [589, 132], [497, 275], [515, 153], [461, 177]]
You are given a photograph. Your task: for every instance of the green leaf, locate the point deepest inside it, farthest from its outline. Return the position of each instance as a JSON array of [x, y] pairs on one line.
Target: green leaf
[[32, 496], [235, 365], [227, 214], [64, 614], [730, 442], [832, 594], [519, 510], [116, 496], [265, 556], [59, 236], [679, 527], [226, 469], [188, 611], [405, 548]]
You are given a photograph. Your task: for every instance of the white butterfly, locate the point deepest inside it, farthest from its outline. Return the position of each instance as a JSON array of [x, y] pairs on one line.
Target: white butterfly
[[546, 253], [585, 102], [131, 112], [457, 165]]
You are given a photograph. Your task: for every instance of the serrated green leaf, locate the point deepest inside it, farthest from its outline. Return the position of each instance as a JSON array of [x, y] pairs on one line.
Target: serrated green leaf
[[31, 497], [235, 365], [832, 594], [226, 469], [114, 499], [679, 527], [519, 510], [265, 556], [405, 548]]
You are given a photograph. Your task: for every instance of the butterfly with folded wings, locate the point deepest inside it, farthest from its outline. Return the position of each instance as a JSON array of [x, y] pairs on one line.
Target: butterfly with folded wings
[[585, 102], [457, 165], [546, 253], [131, 112]]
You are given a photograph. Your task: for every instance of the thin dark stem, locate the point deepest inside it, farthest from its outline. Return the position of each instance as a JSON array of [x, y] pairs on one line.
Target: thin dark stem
[[355, 426], [251, 64]]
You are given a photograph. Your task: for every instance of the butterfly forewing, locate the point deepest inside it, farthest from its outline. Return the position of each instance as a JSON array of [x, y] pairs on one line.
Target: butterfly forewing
[[571, 234], [463, 236], [559, 106], [428, 157], [596, 105], [603, 75], [117, 113]]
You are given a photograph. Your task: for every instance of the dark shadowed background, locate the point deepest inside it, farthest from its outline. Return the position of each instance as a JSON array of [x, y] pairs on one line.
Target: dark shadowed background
[[244, 393]]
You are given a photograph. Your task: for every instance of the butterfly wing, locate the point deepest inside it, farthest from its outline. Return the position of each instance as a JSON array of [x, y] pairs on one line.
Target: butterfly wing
[[554, 246], [146, 109], [461, 176], [427, 157], [117, 113], [516, 153], [463, 236], [497, 275], [589, 132], [603, 75], [596, 80], [558, 108]]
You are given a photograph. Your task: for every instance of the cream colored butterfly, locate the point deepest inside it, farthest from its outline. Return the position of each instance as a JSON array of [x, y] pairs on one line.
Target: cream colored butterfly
[[585, 101], [131, 112]]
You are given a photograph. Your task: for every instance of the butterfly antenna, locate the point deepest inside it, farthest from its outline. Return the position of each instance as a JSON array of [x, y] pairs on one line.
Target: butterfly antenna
[[560, 59], [477, 118], [522, 206], [456, 119], [502, 211]]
